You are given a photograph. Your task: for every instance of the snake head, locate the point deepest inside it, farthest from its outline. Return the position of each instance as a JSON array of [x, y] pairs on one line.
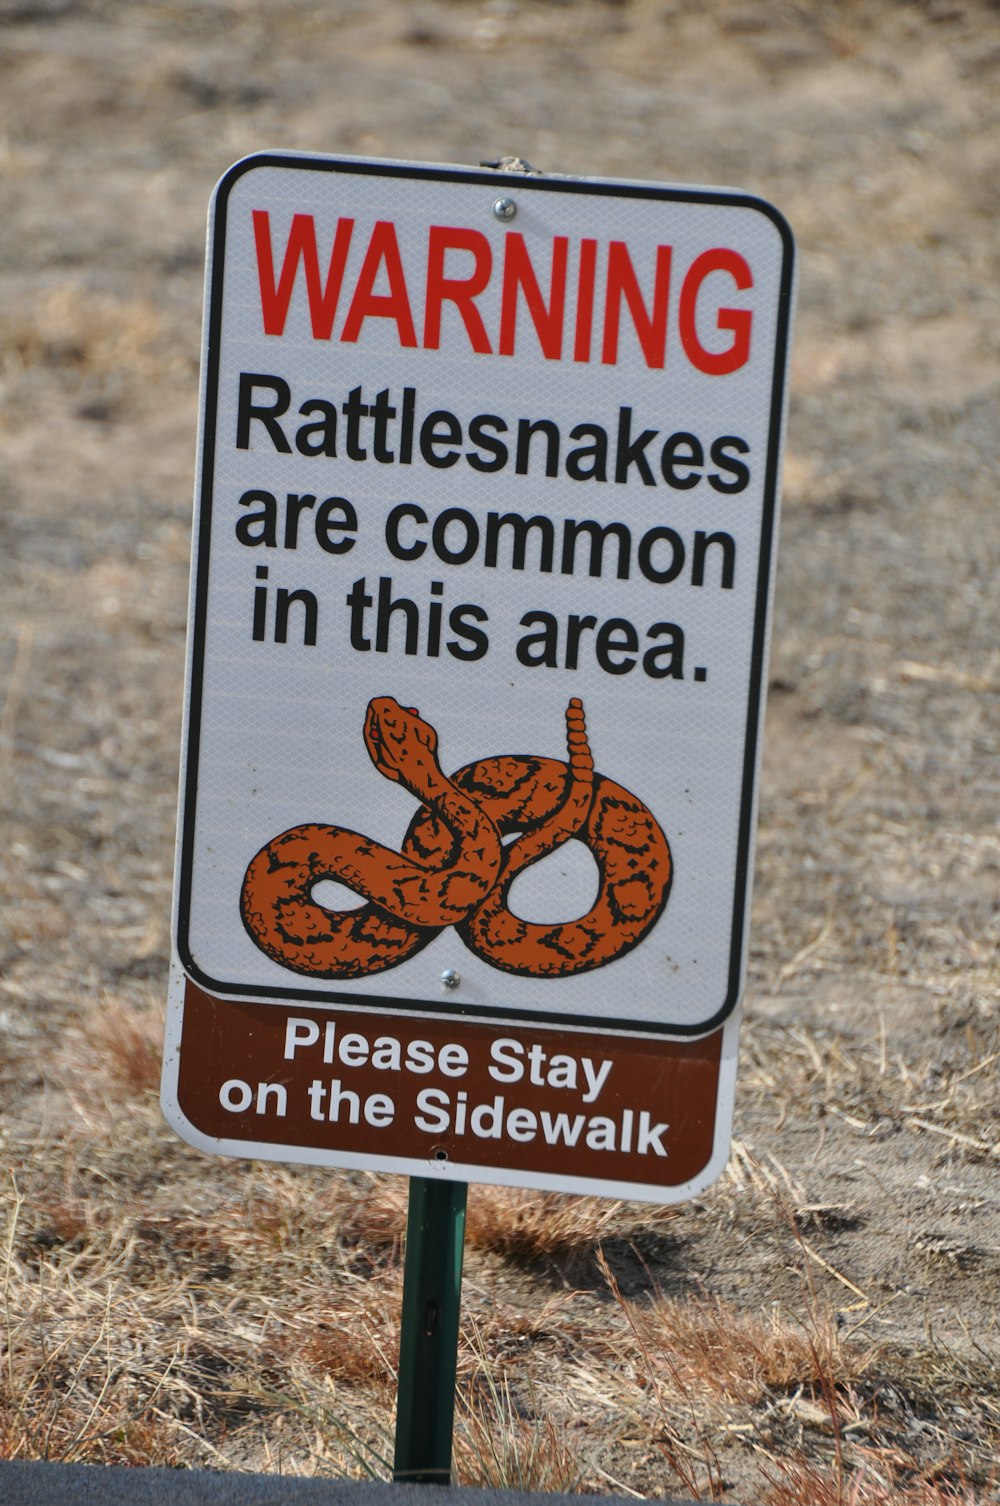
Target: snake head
[[399, 741]]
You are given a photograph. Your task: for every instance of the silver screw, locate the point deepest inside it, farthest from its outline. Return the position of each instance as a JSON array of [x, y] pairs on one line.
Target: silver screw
[[450, 979], [505, 209]]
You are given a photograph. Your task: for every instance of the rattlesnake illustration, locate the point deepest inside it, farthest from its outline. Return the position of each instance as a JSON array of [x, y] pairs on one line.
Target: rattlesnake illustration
[[474, 833]]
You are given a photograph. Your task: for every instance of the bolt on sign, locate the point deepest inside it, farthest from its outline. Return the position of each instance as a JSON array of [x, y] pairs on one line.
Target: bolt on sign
[[483, 557]]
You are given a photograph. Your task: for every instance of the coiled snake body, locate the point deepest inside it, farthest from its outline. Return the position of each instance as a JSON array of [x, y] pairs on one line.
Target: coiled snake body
[[472, 836]]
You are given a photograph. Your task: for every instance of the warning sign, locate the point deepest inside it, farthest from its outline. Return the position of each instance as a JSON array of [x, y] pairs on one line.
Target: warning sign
[[483, 560]]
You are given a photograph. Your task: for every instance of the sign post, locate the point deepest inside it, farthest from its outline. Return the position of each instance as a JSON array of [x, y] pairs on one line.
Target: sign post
[[486, 514], [428, 1332]]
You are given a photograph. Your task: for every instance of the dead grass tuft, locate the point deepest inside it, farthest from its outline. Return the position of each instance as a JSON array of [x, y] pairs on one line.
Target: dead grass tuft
[[127, 1048], [799, 1483], [500, 1444], [505, 1434], [334, 1350], [43, 1426], [373, 1220], [715, 1349], [354, 1339], [141, 1439], [553, 1225], [67, 1226]]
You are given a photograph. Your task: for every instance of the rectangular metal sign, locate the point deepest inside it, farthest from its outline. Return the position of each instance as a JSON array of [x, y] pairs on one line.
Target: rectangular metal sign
[[485, 525]]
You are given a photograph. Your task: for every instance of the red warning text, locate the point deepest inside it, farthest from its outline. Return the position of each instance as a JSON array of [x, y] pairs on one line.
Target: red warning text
[[583, 301]]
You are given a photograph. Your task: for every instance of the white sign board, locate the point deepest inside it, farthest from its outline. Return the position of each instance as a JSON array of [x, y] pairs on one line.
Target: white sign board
[[483, 560]]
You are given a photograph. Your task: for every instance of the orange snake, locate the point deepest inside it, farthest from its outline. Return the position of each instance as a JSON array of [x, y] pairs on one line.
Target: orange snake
[[454, 866]]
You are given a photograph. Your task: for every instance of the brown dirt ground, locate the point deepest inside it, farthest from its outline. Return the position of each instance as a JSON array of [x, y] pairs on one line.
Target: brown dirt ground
[[867, 1101]]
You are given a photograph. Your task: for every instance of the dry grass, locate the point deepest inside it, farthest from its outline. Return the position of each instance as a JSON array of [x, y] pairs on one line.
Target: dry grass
[[951, 1094], [125, 1048], [711, 1370], [876, 1485], [714, 1349], [92, 342], [250, 1317], [255, 1320], [820, 1329], [505, 1434], [553, 1226]]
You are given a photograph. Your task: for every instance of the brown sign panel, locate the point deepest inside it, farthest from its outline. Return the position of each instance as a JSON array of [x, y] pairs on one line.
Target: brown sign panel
[[530, 1106]]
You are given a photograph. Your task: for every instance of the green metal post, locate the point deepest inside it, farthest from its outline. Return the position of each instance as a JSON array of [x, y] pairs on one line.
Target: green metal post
[[428, 1339]]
